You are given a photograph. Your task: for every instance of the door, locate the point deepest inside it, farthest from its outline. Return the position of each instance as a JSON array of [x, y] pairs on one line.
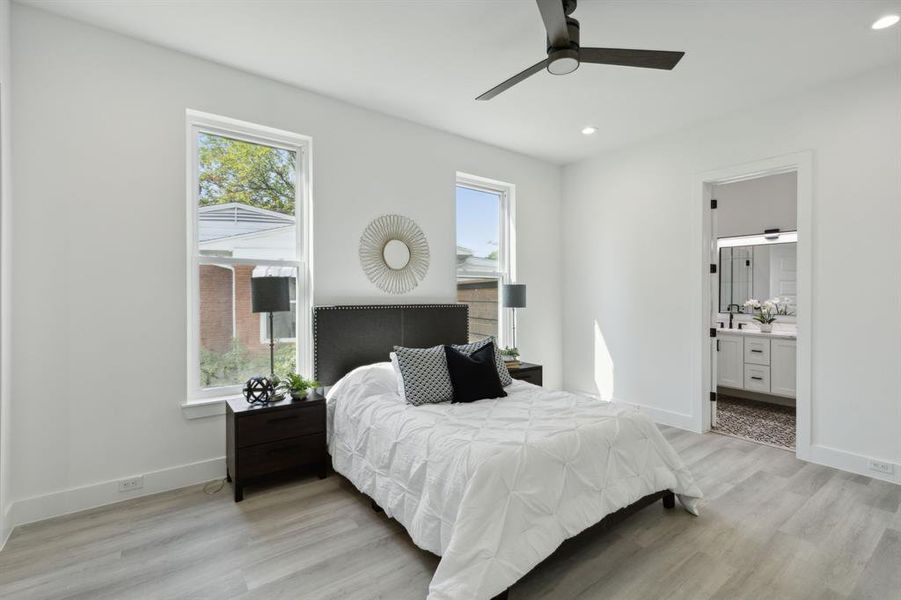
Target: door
[[730, 361], [714, 285]]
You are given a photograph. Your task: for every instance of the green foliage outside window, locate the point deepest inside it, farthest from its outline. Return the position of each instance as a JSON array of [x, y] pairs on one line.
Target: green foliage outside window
[[237, 364], [235, 171]]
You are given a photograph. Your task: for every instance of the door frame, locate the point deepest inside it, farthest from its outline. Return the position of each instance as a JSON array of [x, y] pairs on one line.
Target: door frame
[[705, 245]]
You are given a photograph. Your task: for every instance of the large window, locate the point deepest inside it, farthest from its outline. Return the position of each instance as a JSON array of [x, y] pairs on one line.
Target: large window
[[484, 257], [248, 218]]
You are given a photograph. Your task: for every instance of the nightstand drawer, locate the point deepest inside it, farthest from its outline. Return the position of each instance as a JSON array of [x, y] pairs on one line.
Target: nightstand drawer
[[270, 426], [264, 459], [532, 376]]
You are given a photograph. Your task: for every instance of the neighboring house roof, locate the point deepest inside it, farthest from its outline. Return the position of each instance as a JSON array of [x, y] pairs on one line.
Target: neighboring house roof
[[221, 221], [467, 264], [475, 265], [242, 231]]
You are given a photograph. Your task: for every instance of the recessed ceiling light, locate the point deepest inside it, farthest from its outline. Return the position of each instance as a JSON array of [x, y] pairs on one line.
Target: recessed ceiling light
[[589, 130], [886, 21]]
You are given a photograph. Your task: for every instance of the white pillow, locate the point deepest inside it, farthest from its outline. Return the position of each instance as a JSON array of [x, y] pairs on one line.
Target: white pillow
[[378, 378], [400, 379]]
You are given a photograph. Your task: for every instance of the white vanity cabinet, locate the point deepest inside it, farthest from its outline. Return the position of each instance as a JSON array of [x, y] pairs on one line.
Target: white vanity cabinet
[[730, 361], [756, 362], [783, 367]]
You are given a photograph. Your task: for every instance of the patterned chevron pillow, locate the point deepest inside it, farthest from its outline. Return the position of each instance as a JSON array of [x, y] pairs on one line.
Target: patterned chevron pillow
[[425, 378]]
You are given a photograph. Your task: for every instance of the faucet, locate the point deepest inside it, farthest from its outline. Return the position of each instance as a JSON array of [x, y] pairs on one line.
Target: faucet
[[732, 314]]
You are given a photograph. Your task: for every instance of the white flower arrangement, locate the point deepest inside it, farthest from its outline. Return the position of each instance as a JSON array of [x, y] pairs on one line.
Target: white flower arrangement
[[769, 309]]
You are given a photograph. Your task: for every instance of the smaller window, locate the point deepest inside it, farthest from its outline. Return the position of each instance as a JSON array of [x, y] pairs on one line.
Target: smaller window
[[484, 258]]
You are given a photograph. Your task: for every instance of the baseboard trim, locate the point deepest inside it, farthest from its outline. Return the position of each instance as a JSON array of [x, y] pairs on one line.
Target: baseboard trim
[[663, 417], [849, 461], [38, 508], [5, 528], [658, 415]]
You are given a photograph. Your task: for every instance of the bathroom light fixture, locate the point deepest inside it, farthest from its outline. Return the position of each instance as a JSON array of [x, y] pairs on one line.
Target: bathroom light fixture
[[588, 130], [886, 21], [783, 237]]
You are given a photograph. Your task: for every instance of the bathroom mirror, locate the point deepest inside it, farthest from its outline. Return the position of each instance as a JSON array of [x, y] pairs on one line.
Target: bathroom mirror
[[396, 254], [759, 271]]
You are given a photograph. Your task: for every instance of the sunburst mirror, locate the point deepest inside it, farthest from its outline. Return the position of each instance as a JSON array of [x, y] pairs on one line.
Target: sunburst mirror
[[394, 253]]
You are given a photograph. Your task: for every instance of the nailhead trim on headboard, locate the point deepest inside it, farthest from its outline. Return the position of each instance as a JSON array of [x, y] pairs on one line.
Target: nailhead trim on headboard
[[316, 309]]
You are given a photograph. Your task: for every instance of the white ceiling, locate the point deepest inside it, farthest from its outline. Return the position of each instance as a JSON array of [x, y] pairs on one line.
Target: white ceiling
[[427, 60]]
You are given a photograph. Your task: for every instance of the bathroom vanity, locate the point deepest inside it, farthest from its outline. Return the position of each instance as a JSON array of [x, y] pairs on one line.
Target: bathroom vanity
[[764, 363]]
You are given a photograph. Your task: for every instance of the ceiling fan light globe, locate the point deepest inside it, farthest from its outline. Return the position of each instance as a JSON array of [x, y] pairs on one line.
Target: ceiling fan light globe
[[563, 62]]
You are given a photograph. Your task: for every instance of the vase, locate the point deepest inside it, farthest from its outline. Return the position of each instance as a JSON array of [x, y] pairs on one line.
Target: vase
[[299, 395], [766, 327]]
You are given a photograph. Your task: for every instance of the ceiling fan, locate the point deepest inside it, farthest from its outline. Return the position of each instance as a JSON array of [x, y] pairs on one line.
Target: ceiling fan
[[564, 53]]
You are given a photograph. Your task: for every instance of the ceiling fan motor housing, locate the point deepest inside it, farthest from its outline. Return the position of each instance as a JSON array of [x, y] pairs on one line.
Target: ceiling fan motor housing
[[565, 60]]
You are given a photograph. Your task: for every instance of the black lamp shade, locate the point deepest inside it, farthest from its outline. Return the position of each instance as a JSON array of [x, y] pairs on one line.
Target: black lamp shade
[[270, 294], [513, 295]]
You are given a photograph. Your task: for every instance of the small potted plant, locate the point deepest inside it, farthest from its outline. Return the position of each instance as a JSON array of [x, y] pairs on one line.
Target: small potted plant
[[510, 356], [765, 313], [296, 386]]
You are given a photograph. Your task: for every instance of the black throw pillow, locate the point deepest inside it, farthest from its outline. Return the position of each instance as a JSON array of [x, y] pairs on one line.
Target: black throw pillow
[[474, 376]]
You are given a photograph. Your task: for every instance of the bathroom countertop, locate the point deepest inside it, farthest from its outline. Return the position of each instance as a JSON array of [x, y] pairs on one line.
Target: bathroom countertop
[[786, 335]]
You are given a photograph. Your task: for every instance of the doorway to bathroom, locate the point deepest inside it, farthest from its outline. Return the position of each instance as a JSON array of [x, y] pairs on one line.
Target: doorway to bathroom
[[754, 302]]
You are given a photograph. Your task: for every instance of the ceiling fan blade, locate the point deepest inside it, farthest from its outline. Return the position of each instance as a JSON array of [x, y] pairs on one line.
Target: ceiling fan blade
[[513, 80], [647, 59], [554, 22]]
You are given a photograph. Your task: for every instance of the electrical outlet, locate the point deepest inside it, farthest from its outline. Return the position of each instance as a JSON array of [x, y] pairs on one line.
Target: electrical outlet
[[132, 483], [881, 467]]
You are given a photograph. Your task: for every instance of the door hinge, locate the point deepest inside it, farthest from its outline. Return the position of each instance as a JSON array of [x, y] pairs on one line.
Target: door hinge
[[713, 332], [713, 396], [717, 344], [712, 267], [713, 203]]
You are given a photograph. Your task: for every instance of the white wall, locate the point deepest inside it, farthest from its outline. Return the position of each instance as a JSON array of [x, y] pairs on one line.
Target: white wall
[[99, 264], [630, 268], [5, 246], [755, 205]]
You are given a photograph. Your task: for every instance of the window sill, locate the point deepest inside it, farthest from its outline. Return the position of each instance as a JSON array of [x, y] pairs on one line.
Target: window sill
[[207, 407]]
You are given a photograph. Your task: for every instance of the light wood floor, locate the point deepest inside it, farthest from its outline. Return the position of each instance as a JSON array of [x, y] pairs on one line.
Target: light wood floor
[[772, 527]]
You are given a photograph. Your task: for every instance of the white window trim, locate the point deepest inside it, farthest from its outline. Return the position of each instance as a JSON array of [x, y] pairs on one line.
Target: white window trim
[[506, 247], [207, 402]]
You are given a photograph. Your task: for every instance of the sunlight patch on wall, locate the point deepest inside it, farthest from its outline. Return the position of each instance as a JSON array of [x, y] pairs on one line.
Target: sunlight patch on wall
[[603, 365]]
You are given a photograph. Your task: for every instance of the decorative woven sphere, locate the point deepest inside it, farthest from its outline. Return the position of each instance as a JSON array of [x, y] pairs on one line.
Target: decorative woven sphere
[[258, 390]]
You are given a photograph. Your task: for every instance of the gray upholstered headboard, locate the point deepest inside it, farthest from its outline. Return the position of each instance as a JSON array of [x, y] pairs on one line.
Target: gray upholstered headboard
[[347, 337]]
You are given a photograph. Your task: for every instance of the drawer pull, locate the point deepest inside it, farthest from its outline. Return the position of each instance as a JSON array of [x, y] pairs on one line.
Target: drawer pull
[[277, 419], [757, 378], [283, 450], [758, 351]]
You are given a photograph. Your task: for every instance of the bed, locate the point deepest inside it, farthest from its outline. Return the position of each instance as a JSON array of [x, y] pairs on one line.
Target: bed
[[492, 487]]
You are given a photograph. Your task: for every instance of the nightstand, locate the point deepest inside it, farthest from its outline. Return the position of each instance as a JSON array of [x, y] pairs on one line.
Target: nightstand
[[274, 440], [527, 372]]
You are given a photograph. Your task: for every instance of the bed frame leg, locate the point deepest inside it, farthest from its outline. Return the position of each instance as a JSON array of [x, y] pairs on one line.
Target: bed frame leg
[[669, 500], [375, 506]]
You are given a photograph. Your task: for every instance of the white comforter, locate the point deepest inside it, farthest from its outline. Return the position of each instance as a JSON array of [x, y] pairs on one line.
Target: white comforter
[[494, 487]]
